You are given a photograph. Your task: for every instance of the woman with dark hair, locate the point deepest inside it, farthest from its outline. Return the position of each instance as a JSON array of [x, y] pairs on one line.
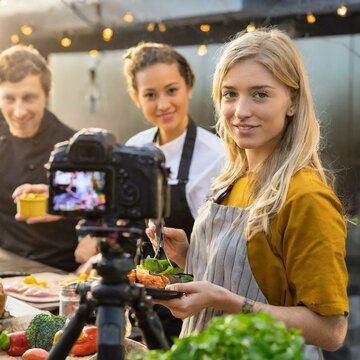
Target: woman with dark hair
[[160, 82]]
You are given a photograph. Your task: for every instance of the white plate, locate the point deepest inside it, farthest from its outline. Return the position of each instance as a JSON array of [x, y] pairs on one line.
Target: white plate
[[18, 308]]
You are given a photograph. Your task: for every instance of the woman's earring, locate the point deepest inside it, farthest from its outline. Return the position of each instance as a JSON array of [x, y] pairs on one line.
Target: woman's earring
[[290, 112]]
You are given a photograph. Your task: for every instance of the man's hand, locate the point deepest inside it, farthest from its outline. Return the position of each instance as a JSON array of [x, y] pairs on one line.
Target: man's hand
[[35, 189], [86, 248]]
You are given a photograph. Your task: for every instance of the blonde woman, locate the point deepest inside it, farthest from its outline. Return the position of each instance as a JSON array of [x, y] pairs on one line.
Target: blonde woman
[[272, 239]]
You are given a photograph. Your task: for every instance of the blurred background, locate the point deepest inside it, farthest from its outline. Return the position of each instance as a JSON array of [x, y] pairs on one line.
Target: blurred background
[[84, 41]]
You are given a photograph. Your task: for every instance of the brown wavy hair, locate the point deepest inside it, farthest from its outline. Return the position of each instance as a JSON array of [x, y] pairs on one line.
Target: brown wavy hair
[[19, 61], [145, 54]]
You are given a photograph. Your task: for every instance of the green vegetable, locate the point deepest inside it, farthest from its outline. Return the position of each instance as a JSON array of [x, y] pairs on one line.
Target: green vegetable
[[163, 267], [235, 337], [180, 278], [154, 265], [42, 329], [4, 340]]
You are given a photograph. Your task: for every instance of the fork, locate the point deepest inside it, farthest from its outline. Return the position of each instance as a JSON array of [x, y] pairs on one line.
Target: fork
[[160, 252]]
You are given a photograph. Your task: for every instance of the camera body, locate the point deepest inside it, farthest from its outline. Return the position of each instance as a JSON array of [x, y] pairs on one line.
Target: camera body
[[92, 176]]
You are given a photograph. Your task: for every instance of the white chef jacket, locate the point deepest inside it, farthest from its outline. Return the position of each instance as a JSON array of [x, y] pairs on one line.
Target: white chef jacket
[[207, 162]]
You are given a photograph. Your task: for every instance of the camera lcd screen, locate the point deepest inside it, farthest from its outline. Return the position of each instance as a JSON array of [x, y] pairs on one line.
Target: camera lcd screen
[[81, 191]]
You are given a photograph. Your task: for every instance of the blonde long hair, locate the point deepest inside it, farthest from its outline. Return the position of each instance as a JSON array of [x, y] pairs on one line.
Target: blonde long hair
[[299, 145]]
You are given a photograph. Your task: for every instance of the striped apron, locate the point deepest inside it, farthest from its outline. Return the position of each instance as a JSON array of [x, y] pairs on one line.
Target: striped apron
[[218, 254]]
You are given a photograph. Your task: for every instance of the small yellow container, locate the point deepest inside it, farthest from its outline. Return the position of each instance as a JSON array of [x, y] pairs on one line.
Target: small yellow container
[[32, 205]]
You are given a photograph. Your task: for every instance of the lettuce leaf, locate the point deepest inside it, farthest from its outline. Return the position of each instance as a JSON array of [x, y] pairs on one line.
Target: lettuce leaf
[[163, 267], [235, 337]]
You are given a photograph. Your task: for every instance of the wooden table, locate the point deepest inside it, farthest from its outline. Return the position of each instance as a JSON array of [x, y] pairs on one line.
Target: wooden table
[[12, 262]]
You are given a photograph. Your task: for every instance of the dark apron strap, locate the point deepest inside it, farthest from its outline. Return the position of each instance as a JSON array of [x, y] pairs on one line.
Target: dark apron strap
[[180, 217], [187, 153]]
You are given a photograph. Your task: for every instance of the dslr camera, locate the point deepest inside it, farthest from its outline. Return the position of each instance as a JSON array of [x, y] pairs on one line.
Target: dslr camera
[[92, 176]]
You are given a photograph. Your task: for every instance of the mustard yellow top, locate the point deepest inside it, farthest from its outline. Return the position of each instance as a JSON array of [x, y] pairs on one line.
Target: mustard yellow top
[[302, 261]]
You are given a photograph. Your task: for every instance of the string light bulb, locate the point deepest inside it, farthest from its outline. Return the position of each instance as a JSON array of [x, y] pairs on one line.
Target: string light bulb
[[15, 38], [310, 17], [65, 41], [341, 10], [251, 27], [205, 27], [93, 53], [107, 34], [202, 50], [162, 27], [151, 27], [26, 30], [128, 17]]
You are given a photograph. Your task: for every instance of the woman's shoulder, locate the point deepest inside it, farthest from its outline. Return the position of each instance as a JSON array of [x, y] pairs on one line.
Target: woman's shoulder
[[141, 138], [311, 202], [307, 176], [308, 183]]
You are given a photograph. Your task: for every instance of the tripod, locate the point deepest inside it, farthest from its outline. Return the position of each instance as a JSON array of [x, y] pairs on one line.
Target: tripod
[[110, 295]]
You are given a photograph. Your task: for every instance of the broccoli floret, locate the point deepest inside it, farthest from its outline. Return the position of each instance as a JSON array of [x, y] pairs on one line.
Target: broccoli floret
[[42, 329]]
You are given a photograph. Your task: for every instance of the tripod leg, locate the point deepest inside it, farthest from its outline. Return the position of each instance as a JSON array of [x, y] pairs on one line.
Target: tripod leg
[[149, 323], [72, 332], [111, 325]]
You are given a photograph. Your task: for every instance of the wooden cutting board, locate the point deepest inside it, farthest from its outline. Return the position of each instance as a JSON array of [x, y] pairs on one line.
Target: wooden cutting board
[[21, 323], [130, 345], [5, 356], [52, 280]]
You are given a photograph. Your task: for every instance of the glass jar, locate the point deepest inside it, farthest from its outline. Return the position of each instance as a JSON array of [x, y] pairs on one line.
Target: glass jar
[[69, 300]]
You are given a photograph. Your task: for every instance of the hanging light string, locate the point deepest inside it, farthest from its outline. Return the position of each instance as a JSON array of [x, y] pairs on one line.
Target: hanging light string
[[107, 32]]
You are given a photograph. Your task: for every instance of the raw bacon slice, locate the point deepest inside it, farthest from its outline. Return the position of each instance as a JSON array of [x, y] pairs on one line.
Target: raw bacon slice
[[39, 291], [17, 287]]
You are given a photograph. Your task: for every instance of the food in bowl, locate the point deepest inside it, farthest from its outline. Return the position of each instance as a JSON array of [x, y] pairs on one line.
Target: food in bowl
[[158, 273], [151, 280]]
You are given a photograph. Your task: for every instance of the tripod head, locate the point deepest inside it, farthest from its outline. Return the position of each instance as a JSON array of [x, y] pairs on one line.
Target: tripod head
[[118, 242], [114, 238]]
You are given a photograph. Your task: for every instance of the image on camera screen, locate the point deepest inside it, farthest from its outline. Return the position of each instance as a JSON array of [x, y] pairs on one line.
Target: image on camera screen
[[79, 191]]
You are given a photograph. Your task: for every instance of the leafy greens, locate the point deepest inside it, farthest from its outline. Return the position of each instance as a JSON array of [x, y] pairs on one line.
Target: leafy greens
[[235, 337], [163, 267]]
